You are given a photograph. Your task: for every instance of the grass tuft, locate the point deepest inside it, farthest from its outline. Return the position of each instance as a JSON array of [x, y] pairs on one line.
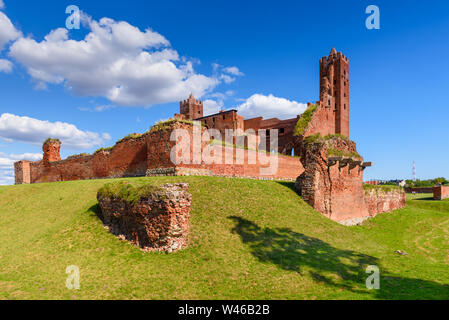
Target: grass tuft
[[130, 193]]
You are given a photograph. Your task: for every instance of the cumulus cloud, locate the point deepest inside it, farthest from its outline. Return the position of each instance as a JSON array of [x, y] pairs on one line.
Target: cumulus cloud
[[115, 60], [212, 106], [34, 131], [7, 165], [233, 70], [5, 66], [7, 31], [270, 107]]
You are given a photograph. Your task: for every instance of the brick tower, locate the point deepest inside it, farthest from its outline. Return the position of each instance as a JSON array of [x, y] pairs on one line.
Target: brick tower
[[334, 88], [191, 108]]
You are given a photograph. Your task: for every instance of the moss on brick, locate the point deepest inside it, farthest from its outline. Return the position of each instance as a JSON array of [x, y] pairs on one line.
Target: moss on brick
[[305, 119], [332, 152], [130, 193], [103, 149], [52, 141], [167, 124]]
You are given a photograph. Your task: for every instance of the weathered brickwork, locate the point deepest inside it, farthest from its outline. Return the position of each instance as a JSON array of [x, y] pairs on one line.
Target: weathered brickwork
[[159, 222], [333, 184], [378, 201], [441, 192]]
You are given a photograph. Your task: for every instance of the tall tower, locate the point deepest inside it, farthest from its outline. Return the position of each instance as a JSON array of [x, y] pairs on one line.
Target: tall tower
[[191, 108], [334, 88]]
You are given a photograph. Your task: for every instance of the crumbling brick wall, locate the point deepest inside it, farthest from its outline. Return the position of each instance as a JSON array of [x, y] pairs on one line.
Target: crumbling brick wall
[[378, 200], [332, 182], [332, 185], [159, 222]]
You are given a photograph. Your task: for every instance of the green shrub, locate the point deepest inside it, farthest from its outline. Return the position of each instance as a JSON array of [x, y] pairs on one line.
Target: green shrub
[[130, 193], [305, 119]]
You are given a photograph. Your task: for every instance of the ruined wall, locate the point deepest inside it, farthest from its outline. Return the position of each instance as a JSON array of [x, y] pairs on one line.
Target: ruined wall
[[135, 156], [127, 159], [158, 222], [323, 121], [230, 161], [332, 185], [441, 192], [378, 201]]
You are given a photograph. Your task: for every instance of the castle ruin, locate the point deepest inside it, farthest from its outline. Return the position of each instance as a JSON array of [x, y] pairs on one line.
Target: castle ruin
[[329, 169]]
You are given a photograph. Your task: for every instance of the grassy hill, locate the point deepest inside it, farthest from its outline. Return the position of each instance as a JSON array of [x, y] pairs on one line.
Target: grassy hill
[[249, 240]]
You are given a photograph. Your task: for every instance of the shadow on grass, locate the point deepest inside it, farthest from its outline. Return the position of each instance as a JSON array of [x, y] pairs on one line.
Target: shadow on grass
[[288, 184], [343, 269]]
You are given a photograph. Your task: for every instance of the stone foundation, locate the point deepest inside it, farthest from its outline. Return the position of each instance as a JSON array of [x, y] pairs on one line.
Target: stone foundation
[[159, 222]]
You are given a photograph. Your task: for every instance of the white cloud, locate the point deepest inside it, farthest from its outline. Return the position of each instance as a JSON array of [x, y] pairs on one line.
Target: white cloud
[[7, 31], [233, 70], [7, 165], [115, 60], [270, 107], [212, 107], [5, 66], [2, 4], [34, 131]]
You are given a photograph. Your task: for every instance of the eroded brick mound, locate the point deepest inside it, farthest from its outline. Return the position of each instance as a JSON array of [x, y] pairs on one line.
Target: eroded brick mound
[[157, 222]]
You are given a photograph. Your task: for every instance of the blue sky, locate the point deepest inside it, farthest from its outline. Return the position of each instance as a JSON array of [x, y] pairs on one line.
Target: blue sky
[[259, 56]]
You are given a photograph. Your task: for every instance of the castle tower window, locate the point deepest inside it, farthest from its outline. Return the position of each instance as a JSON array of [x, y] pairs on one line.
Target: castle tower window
[[282, 130]]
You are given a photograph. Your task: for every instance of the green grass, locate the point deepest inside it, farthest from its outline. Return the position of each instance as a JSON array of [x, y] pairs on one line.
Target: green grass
[[132, 193], [249, 240]]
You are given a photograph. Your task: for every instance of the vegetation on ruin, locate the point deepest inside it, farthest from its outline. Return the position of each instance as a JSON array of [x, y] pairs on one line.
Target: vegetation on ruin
[[130, 137], [305, 119], [108, 149], [333, 152], [131, 193], [52, 141], [167, 124], [78, 155], [249, 239], [381, 188]]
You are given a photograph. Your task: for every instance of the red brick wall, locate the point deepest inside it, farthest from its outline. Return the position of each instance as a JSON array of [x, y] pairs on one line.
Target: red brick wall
[[378, 201], [133, 157], [323, 121], [441, 192]]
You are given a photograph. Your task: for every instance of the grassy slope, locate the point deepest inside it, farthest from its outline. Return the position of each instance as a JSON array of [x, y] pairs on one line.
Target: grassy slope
[[249, 240]]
